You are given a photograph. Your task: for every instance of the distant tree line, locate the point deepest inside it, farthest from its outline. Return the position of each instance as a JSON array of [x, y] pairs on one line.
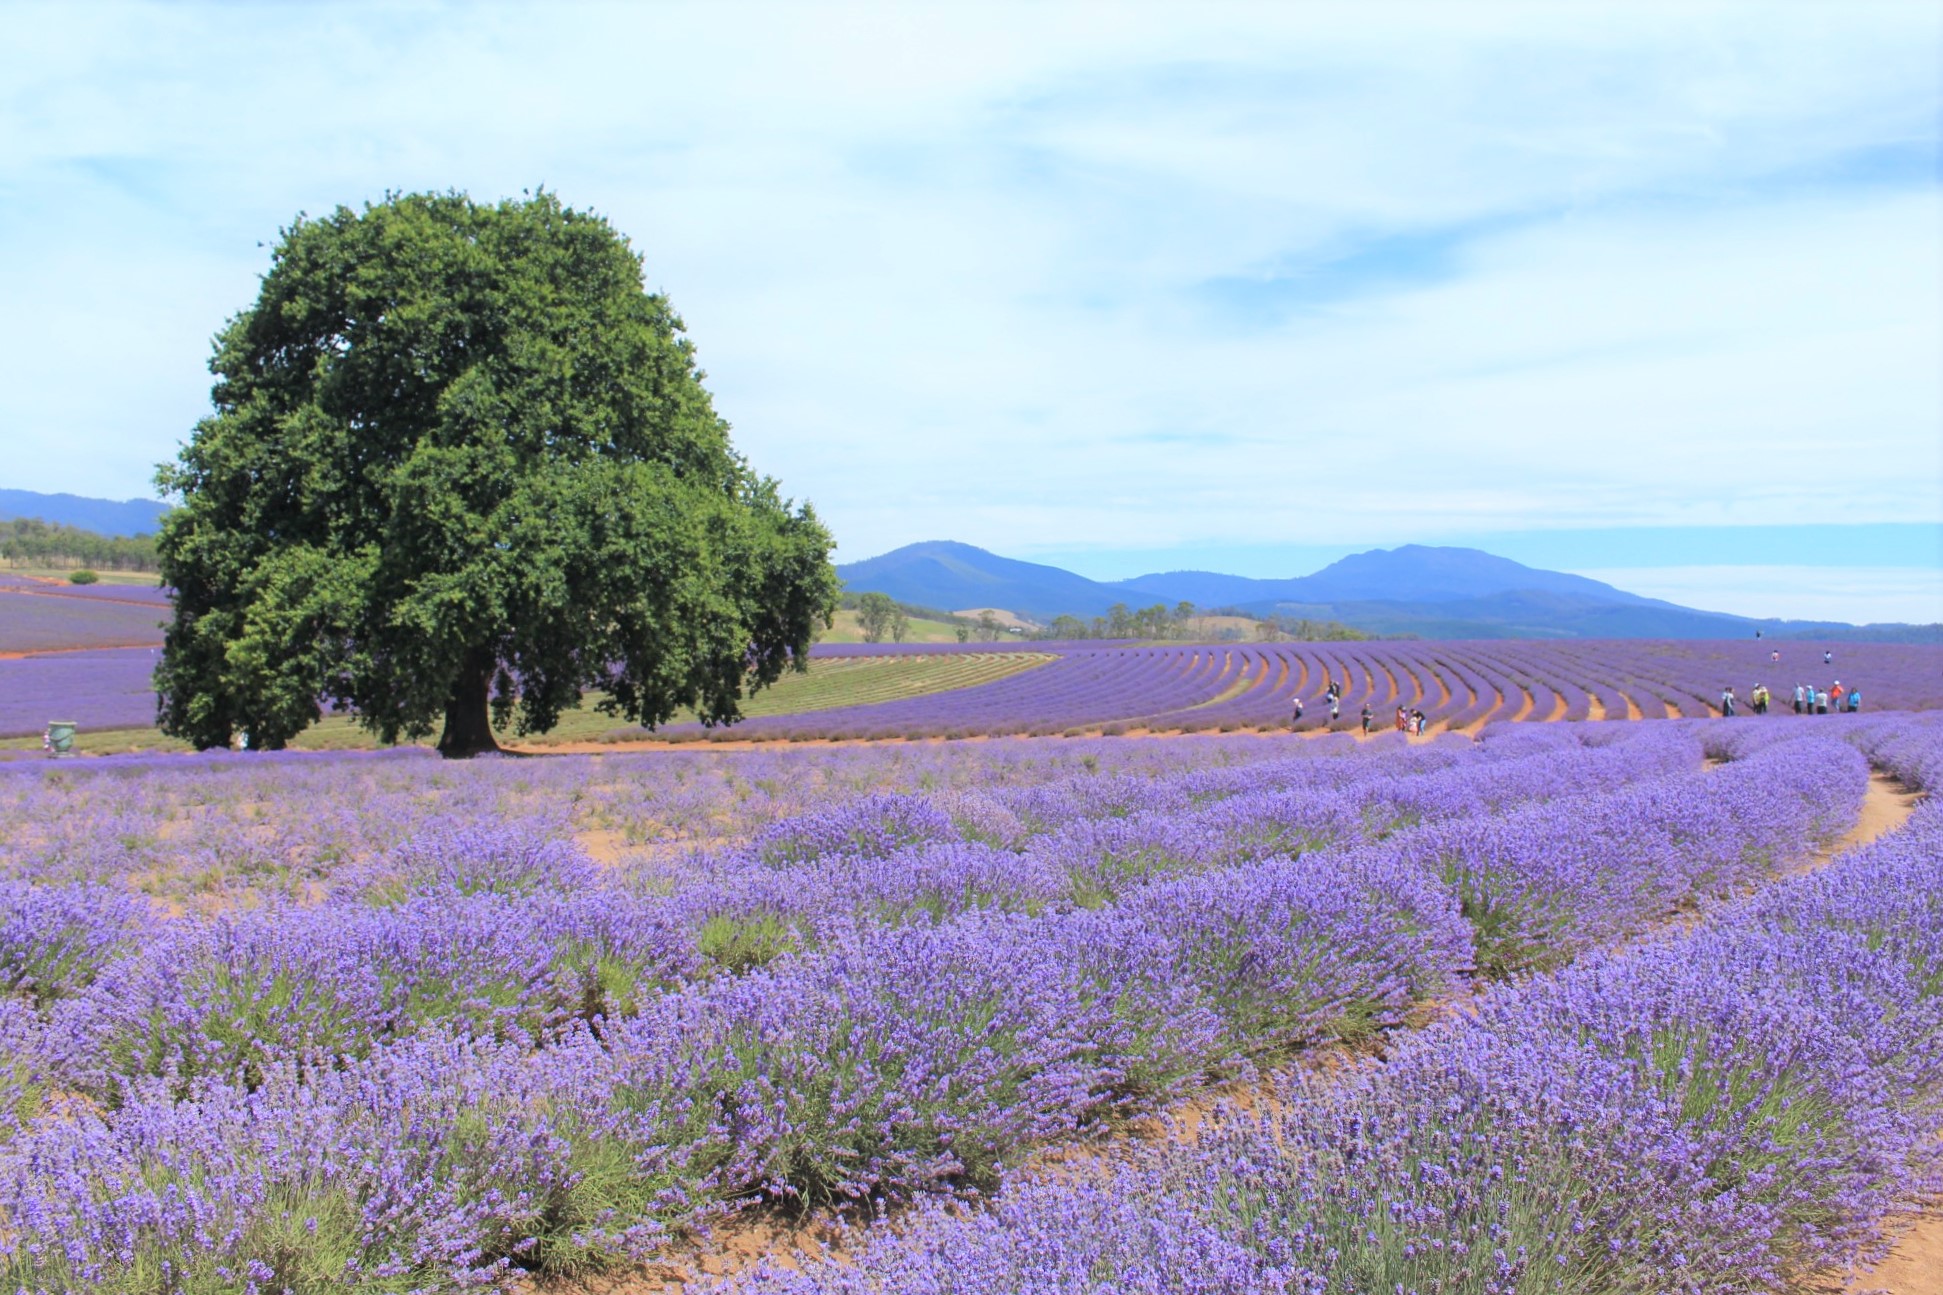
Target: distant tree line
[[1178, 622], [1123, 622], [1303, 630], [31, 542], [883, 619]]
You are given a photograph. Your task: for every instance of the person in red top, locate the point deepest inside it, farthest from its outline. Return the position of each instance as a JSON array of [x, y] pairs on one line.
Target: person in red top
[[1836, 694]]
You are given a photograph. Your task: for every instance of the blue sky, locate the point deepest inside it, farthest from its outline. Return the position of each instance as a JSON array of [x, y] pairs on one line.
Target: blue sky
[[1645, 291]]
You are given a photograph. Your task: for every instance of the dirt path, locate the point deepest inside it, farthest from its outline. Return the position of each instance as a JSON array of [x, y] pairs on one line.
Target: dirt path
[[91, 598], [63, 651], [1886, 806], [1914, 1266]]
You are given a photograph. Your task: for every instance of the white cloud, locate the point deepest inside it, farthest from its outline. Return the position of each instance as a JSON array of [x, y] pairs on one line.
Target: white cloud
[[949, 267], [1858, 595]]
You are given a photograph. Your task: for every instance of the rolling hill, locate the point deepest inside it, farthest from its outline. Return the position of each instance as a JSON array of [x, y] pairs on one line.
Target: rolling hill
[[102, 516], [941, 573], [1420, 590]]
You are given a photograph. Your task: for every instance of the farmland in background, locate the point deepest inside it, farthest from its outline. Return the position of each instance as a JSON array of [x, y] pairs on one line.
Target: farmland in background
[[56, 663], [109, 694]]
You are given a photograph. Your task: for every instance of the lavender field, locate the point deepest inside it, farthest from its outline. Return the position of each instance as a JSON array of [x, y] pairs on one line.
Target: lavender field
[[1081, 689], [374, 1021], [1458, 685], [36, 617]]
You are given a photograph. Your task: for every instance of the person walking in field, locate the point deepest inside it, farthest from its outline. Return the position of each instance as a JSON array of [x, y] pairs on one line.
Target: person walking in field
[[1855, 700], [1821, 702], [1760, 698], [1335, 710], [1835, 696], [1367, 716], [1828, 658], [1800, 693], [1417, 722], [1727, 703], [1297, 717], [1403, 718]]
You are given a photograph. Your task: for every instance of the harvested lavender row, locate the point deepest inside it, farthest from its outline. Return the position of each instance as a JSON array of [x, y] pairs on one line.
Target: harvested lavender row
[[564, 1063], [1727, 1109]]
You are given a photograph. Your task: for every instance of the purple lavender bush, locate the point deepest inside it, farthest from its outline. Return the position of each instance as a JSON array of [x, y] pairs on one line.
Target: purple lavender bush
[[55, 940]]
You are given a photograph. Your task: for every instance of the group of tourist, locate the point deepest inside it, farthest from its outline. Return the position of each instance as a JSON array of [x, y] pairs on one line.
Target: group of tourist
[[1333, 691], [1407, 721], [1809, 700]]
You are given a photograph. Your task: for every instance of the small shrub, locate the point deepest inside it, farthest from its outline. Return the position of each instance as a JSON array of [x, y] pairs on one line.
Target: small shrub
[[82, 577], [740, 944]]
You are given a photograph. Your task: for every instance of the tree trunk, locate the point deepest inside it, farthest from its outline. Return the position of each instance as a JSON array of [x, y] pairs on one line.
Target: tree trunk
[[468, 727]]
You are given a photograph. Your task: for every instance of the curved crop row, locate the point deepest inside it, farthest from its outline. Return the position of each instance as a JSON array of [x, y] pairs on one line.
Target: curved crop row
[[1458, 686]]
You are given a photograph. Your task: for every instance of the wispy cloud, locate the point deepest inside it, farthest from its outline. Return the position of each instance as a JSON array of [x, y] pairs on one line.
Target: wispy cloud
[[1076, 276], [1856, 594]]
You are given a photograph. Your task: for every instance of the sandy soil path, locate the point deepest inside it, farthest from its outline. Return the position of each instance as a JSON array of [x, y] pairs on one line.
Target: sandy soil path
[[1914, 1266], [65, 651], [93, 598], [1886, 806]]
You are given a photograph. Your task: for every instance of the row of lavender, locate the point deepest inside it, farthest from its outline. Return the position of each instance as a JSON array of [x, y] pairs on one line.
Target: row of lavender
[[36, 616], [1196, 687], [228, 830], [1731, 1108], [475, 1050], [1456, 685]]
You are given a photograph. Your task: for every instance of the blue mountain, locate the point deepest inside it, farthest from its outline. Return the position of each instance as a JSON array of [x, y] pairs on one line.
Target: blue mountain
[[102, 516], [952, 576], [1424, 590], [1412, 573]]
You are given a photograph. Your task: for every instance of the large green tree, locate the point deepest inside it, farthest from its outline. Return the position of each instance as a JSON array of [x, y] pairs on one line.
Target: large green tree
[[461, 459]]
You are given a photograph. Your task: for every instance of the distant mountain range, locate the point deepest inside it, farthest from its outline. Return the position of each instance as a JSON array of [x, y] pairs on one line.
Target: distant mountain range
[[1419, 590], [102, 516], [1426, 591]]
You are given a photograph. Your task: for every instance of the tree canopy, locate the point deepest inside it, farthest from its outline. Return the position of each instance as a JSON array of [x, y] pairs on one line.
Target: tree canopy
[[460, 457], [878, 616]]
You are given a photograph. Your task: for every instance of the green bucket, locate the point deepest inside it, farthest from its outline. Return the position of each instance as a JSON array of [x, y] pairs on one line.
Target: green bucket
[[60, 736]]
